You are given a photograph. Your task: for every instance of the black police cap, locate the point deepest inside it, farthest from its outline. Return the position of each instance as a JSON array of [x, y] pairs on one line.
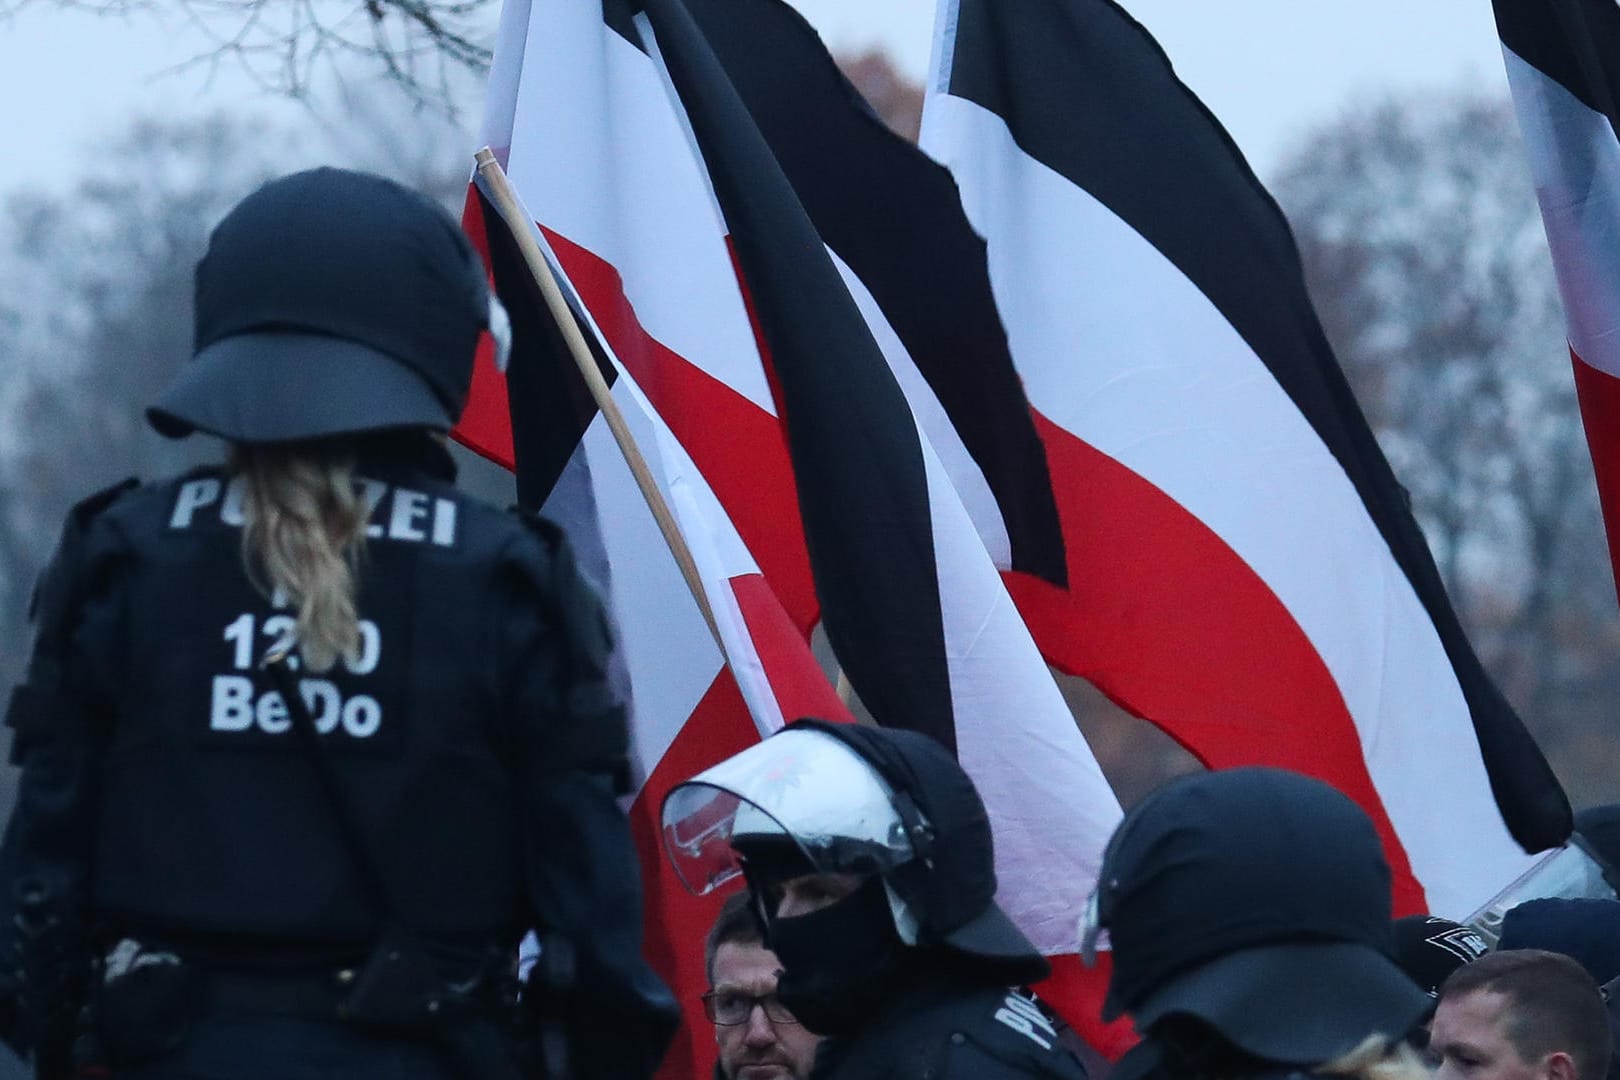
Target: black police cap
[[1258, 901], [1584, 929], [329, 302]]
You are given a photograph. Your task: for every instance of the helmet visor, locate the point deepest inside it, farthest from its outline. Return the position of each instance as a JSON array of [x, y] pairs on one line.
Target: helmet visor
[[1571, 872], [802, 794]]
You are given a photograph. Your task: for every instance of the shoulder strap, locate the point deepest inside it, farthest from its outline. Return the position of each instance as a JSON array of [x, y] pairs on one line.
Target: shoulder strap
[[275, 664]]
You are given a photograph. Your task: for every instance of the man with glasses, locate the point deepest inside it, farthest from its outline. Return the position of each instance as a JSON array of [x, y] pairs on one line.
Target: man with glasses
[[758, 1038], [870, 866]]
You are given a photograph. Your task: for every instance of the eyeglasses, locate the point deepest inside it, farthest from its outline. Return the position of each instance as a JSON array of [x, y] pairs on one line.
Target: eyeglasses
[[726, 1007]]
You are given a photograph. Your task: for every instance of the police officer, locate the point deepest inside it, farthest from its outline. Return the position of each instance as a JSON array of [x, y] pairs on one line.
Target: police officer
[[868, 857], [237, 901], [1249, 917]]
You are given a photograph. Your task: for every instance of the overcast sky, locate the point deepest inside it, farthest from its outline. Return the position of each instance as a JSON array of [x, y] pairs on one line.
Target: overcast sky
[[1269, 69]]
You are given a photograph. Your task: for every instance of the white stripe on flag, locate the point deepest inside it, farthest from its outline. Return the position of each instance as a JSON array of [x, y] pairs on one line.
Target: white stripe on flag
[[1575, 159], [605, 163], [1118, 347], [1050, 807], [671, 657]]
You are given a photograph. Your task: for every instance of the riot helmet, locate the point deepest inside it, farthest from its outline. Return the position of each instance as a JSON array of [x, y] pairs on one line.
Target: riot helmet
[[876, 803], [1253, 902], [331, 302]]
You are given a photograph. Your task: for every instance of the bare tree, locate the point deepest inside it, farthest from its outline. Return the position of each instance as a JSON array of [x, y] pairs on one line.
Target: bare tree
[[96, 300], [1428, 264], [292, 48]]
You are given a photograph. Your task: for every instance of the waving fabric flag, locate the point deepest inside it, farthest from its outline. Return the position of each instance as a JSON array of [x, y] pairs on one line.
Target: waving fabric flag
[[1242, 566], [693, 704], [894, 219], [601, 149], [572, 109], [910, 598], [1563, 64]]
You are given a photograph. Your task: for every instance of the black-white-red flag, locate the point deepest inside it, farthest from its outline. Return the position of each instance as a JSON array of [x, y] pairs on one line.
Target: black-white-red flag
[[1242, 566], [600, 141], [650, 305], [1563, 64]]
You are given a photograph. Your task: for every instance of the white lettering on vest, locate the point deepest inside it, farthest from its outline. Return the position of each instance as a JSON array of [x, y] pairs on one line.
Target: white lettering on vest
[[409, 508], [324, 702], [391, 513], [194, 495], [370, 650], [271, 713], [444, 522], [234, 708], [362, 716], [1024, 1017], [277, 627], [231, 708], [230, 511], [373, 492]]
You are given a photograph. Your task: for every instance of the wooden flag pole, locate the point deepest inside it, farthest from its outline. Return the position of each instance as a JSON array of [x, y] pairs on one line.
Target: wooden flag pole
[[521, 226]]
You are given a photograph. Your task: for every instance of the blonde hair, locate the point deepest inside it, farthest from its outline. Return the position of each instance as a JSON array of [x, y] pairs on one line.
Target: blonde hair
[[1374, 1058], [303, 535]]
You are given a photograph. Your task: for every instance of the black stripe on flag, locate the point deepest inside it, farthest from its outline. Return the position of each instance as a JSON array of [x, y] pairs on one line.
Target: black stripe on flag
[[857, 459], [620, 17], [1576, 43], [549, 402], [1094, 98], [895, 217]]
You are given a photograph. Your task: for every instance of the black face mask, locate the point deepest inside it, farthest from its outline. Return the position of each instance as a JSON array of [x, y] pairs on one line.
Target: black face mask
[[841, 964]]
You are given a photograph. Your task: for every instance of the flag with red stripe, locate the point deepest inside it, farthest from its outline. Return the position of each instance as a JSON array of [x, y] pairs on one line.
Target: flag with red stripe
[[893, 219], [1563, 65], [667, 324], [693, 701], [1242, 566], [910, 597], [638, 238]]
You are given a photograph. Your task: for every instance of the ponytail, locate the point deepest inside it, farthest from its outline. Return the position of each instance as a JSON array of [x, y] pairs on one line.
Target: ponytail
[[303, 535], [1378, 1058]]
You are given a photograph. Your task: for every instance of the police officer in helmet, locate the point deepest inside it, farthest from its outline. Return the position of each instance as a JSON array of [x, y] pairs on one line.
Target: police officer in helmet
[[867, 854], [1249, 919], [210, 878]]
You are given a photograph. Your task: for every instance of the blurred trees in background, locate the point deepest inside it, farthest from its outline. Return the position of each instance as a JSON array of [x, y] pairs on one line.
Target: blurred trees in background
[[96, 297], [1426, 257], [425, 49], [1421, 242]]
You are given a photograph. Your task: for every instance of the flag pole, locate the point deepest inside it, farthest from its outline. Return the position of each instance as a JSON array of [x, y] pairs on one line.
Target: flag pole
[[521, 226]]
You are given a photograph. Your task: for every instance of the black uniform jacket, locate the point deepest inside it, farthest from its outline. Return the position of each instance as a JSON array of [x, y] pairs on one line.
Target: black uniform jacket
[[950, 1031], [163, 795]]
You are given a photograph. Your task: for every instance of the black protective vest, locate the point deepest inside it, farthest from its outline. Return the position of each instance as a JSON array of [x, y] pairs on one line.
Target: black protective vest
[[210, 822], [946, 1029]]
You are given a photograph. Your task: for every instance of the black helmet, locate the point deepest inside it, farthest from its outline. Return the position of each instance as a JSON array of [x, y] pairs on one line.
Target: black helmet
[[856, 799], [1256, 901], [330, 302]]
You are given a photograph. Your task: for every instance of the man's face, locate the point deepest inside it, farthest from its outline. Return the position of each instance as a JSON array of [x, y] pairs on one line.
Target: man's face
[[759, 1048], [1469, 1039]]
